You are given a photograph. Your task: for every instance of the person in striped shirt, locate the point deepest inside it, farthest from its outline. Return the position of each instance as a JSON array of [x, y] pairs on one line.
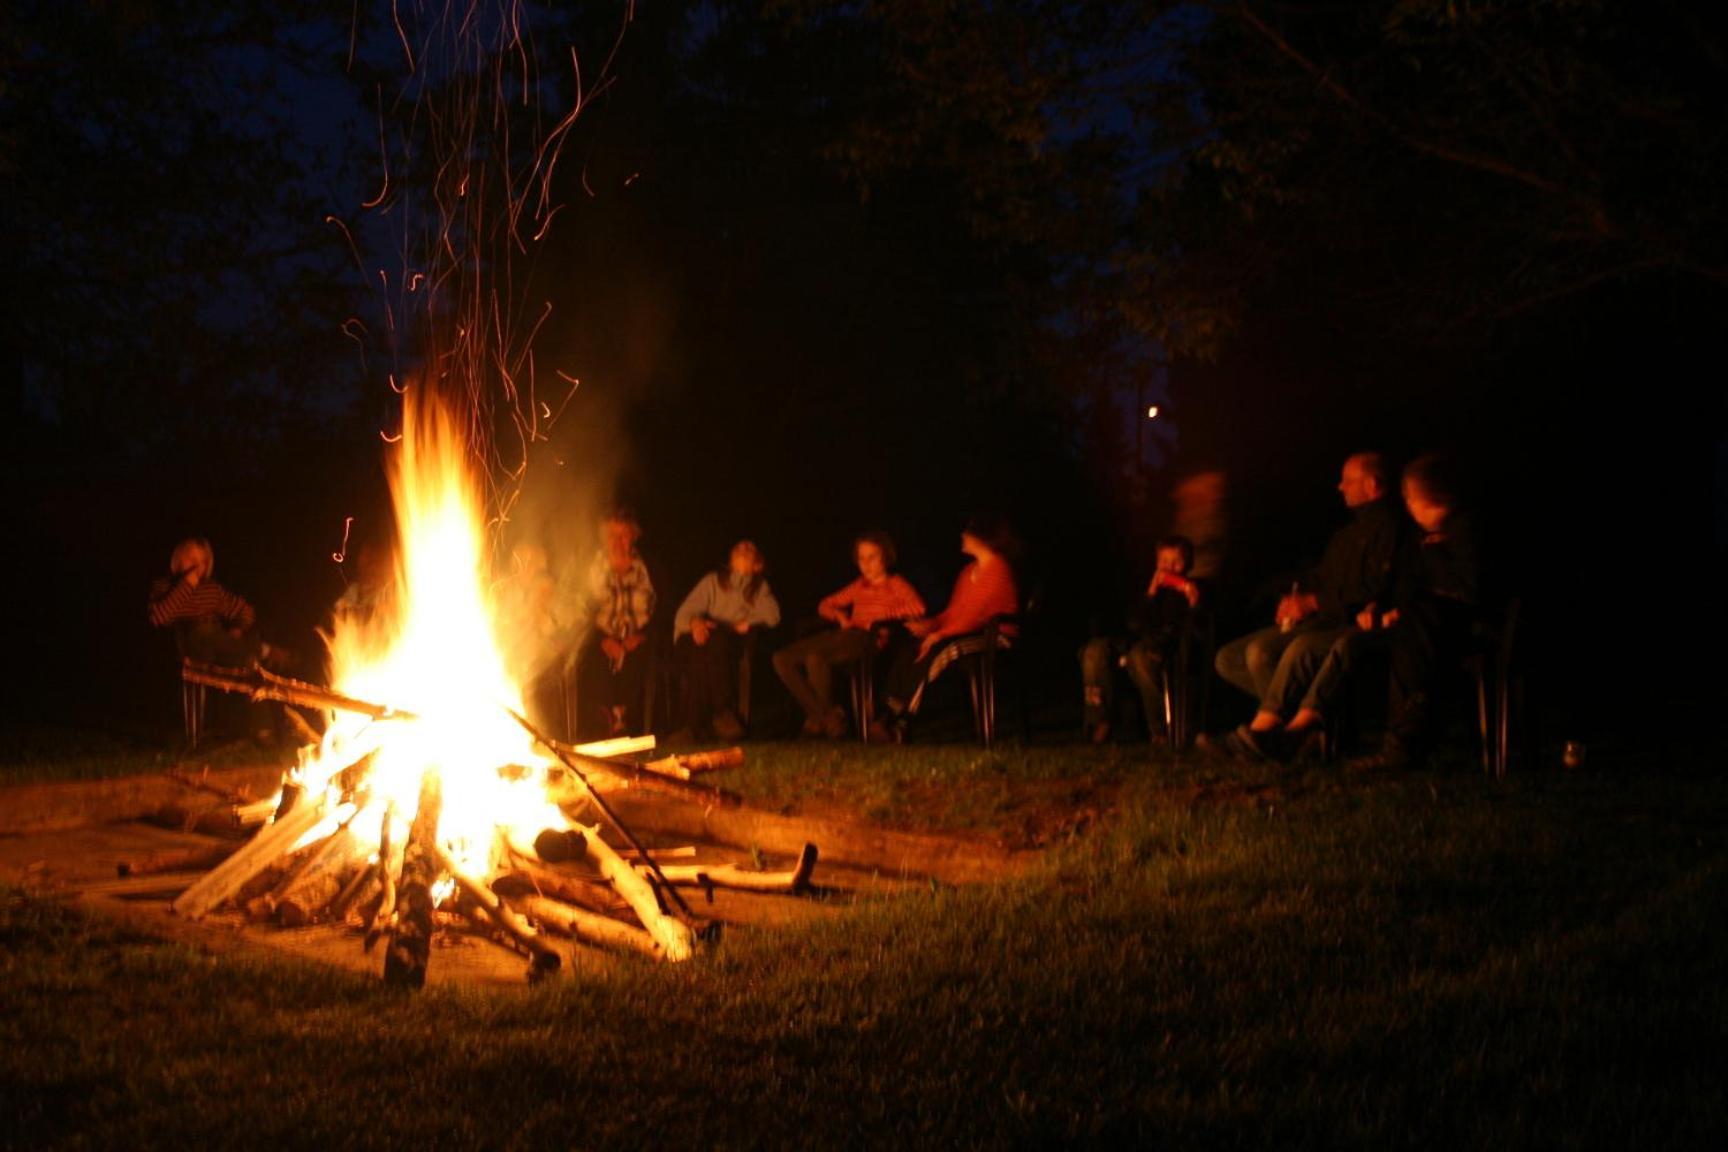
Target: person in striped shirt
[[612, 668], [210, 623], [862, 613]]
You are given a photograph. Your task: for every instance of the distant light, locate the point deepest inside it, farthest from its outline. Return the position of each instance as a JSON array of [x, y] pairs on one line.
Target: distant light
[[1152, 412]]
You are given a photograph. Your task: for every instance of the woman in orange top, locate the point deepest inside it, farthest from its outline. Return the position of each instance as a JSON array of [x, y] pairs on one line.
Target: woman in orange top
[[984, 590]]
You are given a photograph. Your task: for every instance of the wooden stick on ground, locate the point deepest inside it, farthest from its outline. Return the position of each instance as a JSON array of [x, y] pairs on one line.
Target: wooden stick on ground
[[177, 860], [543, 961], [732, 876], [674, 936], [584, 926], [694, 763]]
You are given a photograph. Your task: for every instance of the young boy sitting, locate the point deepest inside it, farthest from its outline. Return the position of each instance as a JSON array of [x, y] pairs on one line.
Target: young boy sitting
[[1155, 630]]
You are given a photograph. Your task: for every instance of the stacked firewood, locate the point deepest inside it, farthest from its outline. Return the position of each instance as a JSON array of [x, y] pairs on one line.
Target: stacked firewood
[[328, 856]]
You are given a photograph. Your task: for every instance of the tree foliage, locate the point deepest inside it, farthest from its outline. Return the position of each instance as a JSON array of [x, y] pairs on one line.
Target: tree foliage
[[165, 232]]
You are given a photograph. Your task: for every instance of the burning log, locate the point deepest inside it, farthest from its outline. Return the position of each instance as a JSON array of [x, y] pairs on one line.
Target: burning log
[[260, 684], [672, 934], [609, 749], [542, 960], [410, 946], [305, 891], [259, 853], [387, 869], [584, 926], [526, 879], [361, 885], [731, 876]]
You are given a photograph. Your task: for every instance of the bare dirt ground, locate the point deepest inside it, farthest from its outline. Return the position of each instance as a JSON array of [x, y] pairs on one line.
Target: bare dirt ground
[[71, 841]]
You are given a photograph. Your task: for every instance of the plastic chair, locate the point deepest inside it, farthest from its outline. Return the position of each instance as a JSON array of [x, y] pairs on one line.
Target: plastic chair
[[194, 697], [1499, 686], [1192, 660], [1001, 637]]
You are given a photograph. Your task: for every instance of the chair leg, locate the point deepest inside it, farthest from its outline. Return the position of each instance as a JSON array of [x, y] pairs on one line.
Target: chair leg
[[192, 712], [1483, 727]]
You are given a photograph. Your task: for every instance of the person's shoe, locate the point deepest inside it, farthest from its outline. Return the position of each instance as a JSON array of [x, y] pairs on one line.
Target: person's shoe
[[881, 733], [812, 726], [727, 727], [834, 727], [1246, 744]]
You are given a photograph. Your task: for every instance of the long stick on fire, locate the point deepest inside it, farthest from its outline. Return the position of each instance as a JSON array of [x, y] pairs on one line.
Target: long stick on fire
[[568, 759]]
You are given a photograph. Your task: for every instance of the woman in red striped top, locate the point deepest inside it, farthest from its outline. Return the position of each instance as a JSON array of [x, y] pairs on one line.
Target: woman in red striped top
[[878, 597], [984, 590]]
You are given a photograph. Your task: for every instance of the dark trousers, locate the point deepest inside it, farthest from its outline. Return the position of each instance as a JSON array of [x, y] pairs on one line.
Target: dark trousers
[[709, 673], [1431, 637], [600, 689], [806, 666]]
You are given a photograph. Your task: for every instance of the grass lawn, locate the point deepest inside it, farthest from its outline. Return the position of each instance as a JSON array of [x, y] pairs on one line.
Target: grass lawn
[[1208, 955]]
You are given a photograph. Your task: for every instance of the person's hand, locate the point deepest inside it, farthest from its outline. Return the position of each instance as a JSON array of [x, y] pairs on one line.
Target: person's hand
[[700, 628], [742, 627], [1287, 613], [1389, 619], [930, 641], [920, 627], [614, 650], [633, 641], [1365, 619]]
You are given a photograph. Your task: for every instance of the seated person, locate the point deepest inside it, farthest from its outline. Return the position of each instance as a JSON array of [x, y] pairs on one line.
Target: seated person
[[1436, 608], [1155, 630], [1277, 665], [984, 590], [210, 623], [878, 597], [708, 631], [612, 661], [213, 625]]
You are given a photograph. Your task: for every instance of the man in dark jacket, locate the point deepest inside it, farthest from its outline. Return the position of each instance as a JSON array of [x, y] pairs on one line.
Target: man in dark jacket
[[1277, 664]]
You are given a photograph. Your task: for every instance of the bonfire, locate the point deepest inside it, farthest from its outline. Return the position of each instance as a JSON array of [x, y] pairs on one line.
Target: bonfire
[[429, 794]]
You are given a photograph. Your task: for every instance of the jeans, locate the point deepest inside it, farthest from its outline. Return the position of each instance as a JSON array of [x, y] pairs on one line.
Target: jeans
[[1145, 662], [806, 666], [1276, 667]]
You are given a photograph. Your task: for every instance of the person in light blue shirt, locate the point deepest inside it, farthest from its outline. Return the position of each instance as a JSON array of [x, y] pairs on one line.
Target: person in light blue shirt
[[708, 634]]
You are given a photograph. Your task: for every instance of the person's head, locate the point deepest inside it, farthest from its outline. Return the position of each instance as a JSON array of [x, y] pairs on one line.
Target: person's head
[[1431, 490], [988, 534], [1174, 554], [1363, 479], [745, 566], [874, 554], [619, 531], [193, 557]]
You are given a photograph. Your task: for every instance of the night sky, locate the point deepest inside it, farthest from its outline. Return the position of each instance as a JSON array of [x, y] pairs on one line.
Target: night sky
[[784, 334]]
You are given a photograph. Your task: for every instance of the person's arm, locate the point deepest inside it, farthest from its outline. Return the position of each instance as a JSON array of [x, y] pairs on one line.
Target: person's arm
[[976, 601], [764, 610], [836, 606], [237, 614], [908, 604], [697, 603]]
